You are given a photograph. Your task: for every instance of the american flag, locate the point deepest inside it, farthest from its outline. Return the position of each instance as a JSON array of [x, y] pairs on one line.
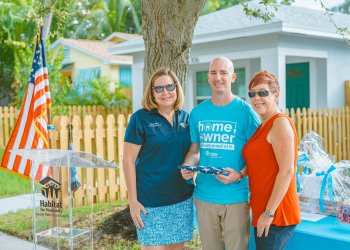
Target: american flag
[[30, 131], [205, 170]]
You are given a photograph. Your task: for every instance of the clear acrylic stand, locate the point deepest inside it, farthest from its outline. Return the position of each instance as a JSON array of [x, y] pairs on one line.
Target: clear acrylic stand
[[55, 223]]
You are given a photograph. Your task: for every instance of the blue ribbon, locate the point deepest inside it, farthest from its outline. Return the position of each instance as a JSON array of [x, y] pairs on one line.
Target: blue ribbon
[[302, 160], [326, 182]]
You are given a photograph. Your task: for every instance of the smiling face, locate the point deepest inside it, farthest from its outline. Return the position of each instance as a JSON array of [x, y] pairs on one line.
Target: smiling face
[[221, 76], [165, 98], [263, 94], [265, 106]]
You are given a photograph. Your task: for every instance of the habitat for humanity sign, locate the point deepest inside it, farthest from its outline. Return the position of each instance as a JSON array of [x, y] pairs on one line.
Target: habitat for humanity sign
[[217, 134], [50, 204]]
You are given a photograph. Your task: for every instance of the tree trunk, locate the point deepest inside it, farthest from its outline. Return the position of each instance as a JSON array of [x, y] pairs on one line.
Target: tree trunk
[[168, 27]]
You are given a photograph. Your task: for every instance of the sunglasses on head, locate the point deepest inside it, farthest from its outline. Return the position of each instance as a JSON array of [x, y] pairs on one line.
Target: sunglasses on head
[[160, 89], [261, 93]]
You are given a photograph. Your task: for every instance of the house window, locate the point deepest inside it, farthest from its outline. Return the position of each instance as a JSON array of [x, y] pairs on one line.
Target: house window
[[204, 90], [238, 87], [125, 76]]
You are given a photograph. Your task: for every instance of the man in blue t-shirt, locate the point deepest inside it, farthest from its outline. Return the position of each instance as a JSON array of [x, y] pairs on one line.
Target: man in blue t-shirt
[[220, 127]]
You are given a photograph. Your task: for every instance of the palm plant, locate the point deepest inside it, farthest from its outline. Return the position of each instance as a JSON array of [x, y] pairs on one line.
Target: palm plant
[[107, 94], [17, 30], [108, 16], [18, 27], [98, 91]]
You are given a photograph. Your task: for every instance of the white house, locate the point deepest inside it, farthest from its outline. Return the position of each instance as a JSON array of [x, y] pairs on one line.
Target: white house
[[299, 45]]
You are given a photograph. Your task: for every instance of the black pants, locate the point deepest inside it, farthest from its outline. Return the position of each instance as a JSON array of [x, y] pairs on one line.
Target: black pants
[[277, 238]]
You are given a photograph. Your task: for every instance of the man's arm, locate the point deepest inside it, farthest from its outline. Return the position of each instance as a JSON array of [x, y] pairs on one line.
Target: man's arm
[[191, 159], [192, 156]]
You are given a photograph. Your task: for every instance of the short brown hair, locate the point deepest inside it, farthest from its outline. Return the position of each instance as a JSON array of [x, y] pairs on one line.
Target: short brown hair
[[148, 101], [264, 77]]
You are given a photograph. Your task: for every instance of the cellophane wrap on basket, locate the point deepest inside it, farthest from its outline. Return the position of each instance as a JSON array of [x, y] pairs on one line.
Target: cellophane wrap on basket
[[321, 182]]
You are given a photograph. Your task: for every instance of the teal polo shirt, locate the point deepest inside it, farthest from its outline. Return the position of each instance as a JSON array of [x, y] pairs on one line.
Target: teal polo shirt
[[163, 149]]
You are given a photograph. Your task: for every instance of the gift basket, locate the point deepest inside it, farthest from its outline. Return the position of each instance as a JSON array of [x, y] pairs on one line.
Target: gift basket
[[322, 184]]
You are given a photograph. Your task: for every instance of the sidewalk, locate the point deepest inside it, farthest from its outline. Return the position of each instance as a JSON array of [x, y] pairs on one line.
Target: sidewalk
[[12, 204], [8, 242]]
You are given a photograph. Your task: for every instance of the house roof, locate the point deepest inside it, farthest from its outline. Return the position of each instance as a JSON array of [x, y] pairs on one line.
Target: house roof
[[233, 23], [94, 48], [120, 37]]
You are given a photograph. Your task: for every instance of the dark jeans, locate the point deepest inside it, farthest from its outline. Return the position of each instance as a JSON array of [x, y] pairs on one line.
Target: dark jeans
[[277, 238]]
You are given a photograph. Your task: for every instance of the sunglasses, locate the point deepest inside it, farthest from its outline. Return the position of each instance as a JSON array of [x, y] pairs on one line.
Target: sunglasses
[[160, 89], [261, 93]]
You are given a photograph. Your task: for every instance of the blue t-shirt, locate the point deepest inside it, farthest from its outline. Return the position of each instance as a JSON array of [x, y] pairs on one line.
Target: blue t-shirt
[[221, 133], [163, 149]]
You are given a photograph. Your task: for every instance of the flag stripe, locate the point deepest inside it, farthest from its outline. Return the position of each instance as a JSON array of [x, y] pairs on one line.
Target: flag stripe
[[16, 130], [29, 143], [31, 127], [19, 135]]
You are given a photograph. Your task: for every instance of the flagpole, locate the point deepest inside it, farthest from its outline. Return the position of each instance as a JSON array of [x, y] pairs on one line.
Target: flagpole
[[43, 29], [55, 173], [31, 163], [33, 212]]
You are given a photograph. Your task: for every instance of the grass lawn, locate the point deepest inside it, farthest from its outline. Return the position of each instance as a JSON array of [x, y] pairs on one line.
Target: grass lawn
[[12, 185], [113, 227]]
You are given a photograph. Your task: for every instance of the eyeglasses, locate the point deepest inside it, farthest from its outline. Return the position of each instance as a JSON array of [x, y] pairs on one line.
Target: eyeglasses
[[160, 89], [261, 93]]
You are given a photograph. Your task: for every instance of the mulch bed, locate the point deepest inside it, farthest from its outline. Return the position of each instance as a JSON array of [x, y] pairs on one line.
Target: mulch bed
[[119, 224]]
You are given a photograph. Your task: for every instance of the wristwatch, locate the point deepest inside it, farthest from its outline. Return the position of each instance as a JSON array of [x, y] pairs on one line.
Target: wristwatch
[[268, 214]]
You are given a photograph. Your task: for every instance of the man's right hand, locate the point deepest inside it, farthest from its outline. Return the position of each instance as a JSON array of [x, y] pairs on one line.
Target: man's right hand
[[135, 211], [233, 176]]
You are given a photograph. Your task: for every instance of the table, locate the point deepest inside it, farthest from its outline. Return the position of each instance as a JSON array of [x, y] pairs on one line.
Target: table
[[324, 234]]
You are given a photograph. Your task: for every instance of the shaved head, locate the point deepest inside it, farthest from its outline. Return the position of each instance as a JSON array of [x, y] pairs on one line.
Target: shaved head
[[225, 59]]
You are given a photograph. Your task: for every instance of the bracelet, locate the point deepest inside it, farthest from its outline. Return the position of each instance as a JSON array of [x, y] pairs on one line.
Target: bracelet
[[268, 214]]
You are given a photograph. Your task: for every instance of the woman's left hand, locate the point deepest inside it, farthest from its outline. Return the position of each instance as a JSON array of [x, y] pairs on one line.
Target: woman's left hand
[[187, 175], [263, 225]]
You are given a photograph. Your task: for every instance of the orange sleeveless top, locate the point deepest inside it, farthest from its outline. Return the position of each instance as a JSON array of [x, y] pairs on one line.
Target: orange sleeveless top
[[262, 169]]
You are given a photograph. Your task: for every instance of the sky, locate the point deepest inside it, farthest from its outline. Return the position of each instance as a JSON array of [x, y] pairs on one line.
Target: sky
[[315, 4]]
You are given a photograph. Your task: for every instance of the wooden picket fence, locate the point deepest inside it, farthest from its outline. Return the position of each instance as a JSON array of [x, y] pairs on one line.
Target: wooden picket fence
[[347, 92], [8, 116], [331, 124], [103, 136], [90, 110]]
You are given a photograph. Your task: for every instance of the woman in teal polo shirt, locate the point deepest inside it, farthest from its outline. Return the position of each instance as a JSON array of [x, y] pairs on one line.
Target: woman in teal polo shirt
[[156, 142]]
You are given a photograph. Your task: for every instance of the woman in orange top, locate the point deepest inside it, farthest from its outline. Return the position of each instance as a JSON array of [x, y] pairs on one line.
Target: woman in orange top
[[271, 156]]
